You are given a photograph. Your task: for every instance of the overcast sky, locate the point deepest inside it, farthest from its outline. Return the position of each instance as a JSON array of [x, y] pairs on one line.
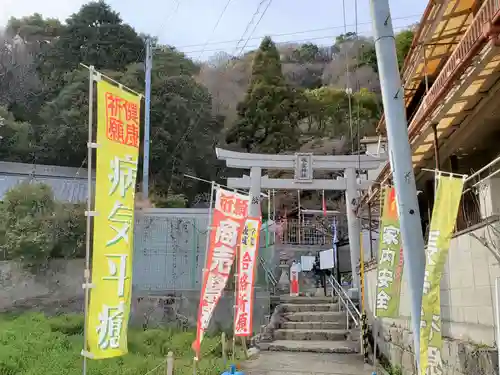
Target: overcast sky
[[188, 24]]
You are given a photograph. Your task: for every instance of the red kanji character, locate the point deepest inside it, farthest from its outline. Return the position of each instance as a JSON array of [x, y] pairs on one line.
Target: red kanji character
[[132, 138], [241, 207], [247, 257], [115, 130], [246, 260], [243, 282], [242, 302], [131, 113], [241, 324], [114, 104], [226, 203]]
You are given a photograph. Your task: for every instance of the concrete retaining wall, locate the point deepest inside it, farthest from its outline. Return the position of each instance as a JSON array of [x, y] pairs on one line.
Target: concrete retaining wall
[[467, 308], [58, 289]]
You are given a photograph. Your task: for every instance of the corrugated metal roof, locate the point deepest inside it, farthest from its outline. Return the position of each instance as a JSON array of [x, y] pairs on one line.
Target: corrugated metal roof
[[65, 190], [10, 168], [68, 184]]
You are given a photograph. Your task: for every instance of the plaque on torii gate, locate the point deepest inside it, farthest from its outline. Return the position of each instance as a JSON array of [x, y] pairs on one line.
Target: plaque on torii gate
[[304, 165]]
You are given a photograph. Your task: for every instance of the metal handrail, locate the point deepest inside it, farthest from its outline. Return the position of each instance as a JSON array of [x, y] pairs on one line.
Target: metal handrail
[[268, 272], [338, 286], [346, 301], [346, 306]]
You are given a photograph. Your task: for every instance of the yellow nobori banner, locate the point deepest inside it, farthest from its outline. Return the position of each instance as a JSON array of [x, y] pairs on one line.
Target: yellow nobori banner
[[444, 217], [117, 158]]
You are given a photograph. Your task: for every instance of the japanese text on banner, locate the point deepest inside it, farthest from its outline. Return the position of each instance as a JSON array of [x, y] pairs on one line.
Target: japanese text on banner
[[231, 210], [117, 155], [390, 259], [248, 253], [444, 217]]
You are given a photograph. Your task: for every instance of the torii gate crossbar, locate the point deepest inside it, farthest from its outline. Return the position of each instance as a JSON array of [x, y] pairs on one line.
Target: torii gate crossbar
[[304, 165]]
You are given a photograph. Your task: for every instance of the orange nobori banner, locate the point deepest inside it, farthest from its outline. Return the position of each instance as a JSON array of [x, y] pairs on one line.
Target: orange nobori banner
[[230, 213], [247, 260]]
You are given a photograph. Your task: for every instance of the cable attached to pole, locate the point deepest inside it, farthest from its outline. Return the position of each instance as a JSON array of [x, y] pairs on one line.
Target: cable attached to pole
[[348, 78]]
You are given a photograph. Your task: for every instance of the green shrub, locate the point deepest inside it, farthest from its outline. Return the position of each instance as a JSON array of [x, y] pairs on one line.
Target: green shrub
[[29, 218], [36, 228], [69, 230]]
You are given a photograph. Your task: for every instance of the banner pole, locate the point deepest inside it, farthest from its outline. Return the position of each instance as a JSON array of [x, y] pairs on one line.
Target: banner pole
[[299, 228], [235, 306], [236, 282], [207, 245], [375, 318], [274, 216], [375, 336], [88, 214], [268, 218]]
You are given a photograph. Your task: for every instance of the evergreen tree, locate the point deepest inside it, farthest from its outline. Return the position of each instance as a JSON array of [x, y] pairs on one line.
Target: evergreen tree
[[96, 35], [268, 116]]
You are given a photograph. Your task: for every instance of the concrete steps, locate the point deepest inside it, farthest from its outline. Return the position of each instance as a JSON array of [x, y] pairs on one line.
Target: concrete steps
[[311, 324], [315, 316], [311, 334], [314, 325], [344, 347], [319, 307], [306, 300]]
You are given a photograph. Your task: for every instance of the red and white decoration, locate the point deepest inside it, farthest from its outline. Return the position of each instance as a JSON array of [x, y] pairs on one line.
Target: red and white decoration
[[247, 260], [294, 279], [230, 213]]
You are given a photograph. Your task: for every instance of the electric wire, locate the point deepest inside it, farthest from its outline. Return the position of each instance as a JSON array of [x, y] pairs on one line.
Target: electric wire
[[215, 27], [358, 130], [255, 26], [162, 26], [289, 41], [348, 78], [338, 27], [249, 24], [195, 123]]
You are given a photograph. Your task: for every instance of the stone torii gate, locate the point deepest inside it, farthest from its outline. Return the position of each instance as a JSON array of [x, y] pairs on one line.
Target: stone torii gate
[[304, 165]]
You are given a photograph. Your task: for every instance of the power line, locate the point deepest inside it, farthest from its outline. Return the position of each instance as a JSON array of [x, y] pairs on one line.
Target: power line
[[169, 17], [295, 32], [192, 126], [249, 24], [256, 24], [215, 27], [330, 36]]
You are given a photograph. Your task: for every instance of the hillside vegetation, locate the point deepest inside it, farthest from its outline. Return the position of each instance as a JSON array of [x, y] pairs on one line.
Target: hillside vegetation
[[278, 98]]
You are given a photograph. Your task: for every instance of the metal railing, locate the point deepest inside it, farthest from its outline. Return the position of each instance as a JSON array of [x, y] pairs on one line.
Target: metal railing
[[309, 232], [350, 307], [267, 234], [269, 274]]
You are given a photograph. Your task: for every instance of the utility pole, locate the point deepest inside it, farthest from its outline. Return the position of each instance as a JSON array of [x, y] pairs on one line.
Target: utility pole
[[147, 109], [351, 201], [400, 160]]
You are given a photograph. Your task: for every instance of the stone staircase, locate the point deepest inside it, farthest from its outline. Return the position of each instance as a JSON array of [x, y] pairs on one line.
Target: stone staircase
[[312, 324]]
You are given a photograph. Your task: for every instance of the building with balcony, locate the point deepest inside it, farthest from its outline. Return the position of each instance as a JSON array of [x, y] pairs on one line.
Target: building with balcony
[[451, 79]]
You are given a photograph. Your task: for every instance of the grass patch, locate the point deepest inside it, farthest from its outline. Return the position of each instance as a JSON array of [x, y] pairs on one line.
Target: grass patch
[[33, 344]]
